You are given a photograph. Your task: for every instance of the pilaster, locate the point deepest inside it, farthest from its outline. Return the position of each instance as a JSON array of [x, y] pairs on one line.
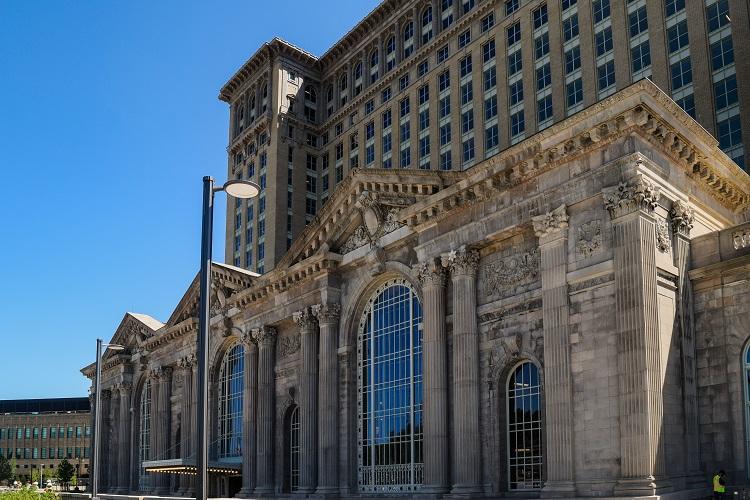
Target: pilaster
[[552, 231], [113, 454], [161, 428], [308, 400], [328, 320], [187, 449], [631, 205], [123, 462], [249, 418], [431, 276], [265, 336]]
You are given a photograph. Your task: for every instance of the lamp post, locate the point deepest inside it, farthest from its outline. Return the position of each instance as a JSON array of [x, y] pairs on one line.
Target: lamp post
[[237, 189], [97, 411]]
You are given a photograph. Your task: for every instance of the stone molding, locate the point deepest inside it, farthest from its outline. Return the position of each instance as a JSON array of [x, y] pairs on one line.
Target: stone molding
[[551, 223], [306, 320], [629, 196], [430, 273], [682, 215], [327, 313], [461, 262], [265, 335]]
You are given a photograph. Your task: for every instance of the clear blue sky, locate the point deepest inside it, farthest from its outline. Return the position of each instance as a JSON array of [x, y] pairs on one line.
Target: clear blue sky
[[108, 121]]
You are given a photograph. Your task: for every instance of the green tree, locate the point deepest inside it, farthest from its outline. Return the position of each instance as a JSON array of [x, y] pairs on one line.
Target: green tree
[[13, 468], [74, 481], [6, 474], [34, 476], [65, 472]]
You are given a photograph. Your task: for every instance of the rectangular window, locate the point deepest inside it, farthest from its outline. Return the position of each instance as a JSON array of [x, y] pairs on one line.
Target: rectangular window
[[572, 59], [467, 121], [369, 106], [488, 51], [717, 15], [369, 131], [515, 92], [424, 146], [515, 63], [444, 81], [722, 53], [423, 68], [488, 22], [405, 158], [603, 41], [468, 150], [682, 73], [405, 131], [465, 66], [541, 45], [511, 6], [491, 137], [688, 104], [404, 107], [370, 154], [424, 119], [601, 10], [677, 36], [467, 93], [464, 39], [445, 134], [638, 21], [540, 17], [424, 94], [517, 124], [673, 6], [574, 91], [403, 82], [606, 74], [490, 78], [442, 54], [730, 132], [513, 33], [640, 57], [385, 96], [387, 143], [544, 108], [570, 27], [445, 161], [387, 119], [490, 107], [543, 77], [725, 92], [261, 227], [566, 4], [444, 106]]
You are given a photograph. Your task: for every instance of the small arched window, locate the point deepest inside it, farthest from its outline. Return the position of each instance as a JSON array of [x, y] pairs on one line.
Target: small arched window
[[292, 439], [390, 53], [343, 89], [358, 78], [374, 64], [408, 39], [144, 436], [230, 404], [426, 25], [524, 428], [746, 377]]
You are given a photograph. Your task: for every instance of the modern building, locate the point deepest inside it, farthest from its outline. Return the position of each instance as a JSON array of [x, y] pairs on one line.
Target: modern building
[[37, 434], [566, 318], [444, 85]]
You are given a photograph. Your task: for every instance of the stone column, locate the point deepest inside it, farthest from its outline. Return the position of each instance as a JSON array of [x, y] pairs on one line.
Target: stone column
[[467, 454], [113, 454], [682, 222], [328, 429], [186, 365], [249, 422], [104, 459], [123, 462], [431, 276], [631, 205], [154, 376], [266, 339], [552, 231], [162, 421], [308, 400]]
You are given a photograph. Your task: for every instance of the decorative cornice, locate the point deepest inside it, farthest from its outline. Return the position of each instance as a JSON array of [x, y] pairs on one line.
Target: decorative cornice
[[551, 222], [430, 273], [682, 217], [327, 313], [461, 262], [306, 320], [635, 194]]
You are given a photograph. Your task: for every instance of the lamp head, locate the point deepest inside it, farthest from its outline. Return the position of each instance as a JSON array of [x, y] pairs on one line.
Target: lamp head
[[115, 347], [241, 189]]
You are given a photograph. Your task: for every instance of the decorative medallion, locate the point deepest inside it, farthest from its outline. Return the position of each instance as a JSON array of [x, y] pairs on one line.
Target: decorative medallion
[[510, 271], [589, 239], [663, 241], [378, 219], [288, 345]]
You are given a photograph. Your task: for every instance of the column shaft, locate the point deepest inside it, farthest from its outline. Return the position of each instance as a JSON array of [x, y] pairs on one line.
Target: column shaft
[[308, 400], [328, 316], [249, 423], [123, 463], [266, 338]]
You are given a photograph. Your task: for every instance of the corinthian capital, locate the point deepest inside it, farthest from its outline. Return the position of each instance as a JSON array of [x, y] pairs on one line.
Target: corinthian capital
[[461, 262], [327, 313], [430, 273], [682, 217], [248, 339], [265, 335], [551, 222], [187, 362], [305, 319], [635, 194]]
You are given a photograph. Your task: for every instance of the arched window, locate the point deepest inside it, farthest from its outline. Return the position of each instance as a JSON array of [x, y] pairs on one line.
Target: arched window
[[446, 7], [144, 435], [524, 428], [252, 107], [264, 99], [389, 397], [329, 101], [390, 53], [374, 66], [343, 89], [230, 404], [426, 25], [291, 432], [358, 78], [746, 376], [408, 39]]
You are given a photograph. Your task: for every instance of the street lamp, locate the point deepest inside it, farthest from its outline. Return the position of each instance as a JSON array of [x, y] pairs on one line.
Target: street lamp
[[98, 411], [237, 189]]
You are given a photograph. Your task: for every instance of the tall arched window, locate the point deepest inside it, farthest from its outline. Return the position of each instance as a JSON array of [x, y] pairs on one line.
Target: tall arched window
[[389, 395], [252, 106], [264, 99], [374, 66], [329, 101], [358, 78], [144, 435], [524, 428], [446, 7], [390, 53], [426, 25], [343, 89], [746, 376], [408, 39], [230, 404], [291, 430]]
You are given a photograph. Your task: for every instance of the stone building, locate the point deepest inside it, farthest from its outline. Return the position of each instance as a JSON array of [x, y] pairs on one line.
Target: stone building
[[446, 84], [566, 318], [37, 434]]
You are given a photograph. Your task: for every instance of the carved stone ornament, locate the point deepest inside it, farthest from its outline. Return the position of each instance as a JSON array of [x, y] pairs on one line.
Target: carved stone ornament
[[265, 335], [635, 194], [327, 313], [430, 273], [288, 345], [247, 338], [187, 362], [378, 219], [305, 319], [663, 240], [551, 222], [509, 271], [682, 217], [741, 238], [589, 238], [461, 262]]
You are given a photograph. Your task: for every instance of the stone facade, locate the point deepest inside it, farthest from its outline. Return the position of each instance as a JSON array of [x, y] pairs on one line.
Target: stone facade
[[606, 255]]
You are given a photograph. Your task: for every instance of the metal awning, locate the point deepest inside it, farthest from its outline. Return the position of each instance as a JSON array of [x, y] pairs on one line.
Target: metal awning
[[187, 466]]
